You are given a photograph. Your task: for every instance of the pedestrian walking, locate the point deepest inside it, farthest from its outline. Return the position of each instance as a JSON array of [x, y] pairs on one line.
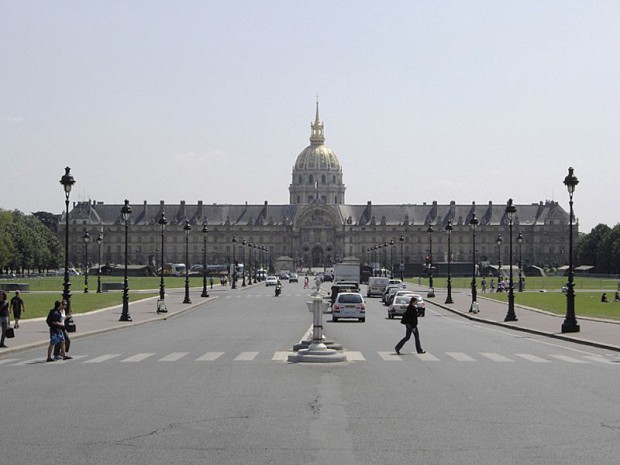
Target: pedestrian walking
[[64, 319], [17, 307], [492, 286], [211, 280], [410, 320], [56, 332], [484, 285], [5, 316]]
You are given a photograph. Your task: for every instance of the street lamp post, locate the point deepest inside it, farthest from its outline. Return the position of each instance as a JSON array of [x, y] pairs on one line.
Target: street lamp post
[[187, 228], [162, 285], [391, 258], [474, 295], [431, 288], [99, 243], [243, 261], [402, 263], [510, 316], [67, 182], [449, 231], [520, 242], [234, 267], [385, 245], [499, 241], [86, 241], [126, 214], [570, 322], [205, 230]]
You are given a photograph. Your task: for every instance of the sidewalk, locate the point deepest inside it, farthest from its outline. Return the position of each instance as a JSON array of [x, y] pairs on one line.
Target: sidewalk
[[594, 332], [35, 333]]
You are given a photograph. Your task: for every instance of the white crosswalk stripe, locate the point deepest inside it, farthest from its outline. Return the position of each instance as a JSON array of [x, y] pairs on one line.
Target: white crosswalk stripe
[[390, 357], [102, 358], [566, 358], [281, 356], [495, 357], [173, 357], [354, 356], [533, 358], [461, 357], [246, 356], [138, 357], [209, 356], [598, 359], [8, 360]]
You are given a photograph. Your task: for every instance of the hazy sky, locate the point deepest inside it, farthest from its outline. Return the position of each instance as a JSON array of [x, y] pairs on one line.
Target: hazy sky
[[212, 100]]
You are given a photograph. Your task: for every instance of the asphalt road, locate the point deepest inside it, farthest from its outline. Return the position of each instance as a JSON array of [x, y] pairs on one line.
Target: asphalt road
[[213, 386]]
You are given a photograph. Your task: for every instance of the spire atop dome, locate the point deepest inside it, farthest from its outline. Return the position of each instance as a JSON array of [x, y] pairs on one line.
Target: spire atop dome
[[317, 137]]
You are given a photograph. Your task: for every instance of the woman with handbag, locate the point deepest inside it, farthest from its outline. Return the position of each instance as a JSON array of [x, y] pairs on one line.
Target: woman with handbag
[[5, 316], [410, 320]]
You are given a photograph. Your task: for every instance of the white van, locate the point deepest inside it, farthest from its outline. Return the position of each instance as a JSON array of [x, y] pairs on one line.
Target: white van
[[377, 285]]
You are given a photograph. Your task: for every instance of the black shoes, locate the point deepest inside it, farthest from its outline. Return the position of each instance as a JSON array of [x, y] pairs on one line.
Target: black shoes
[[397, 351], [421, 351]]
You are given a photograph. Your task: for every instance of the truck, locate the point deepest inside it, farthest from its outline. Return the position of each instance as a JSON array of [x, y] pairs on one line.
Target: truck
[[348, 272]]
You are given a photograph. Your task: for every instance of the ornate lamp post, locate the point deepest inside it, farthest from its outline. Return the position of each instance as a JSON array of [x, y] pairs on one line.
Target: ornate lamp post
[[234, 267], [499, 241], [243, 262], [67, 182], [99, 243], [126, 214], [570, 322], [474, 296], [205, 230], [162, 285], [431, 288], [402, 263], [86, 239], [187, 228], [385, 256], [520, 242], [449, 231], [392, 258], [510, 316]]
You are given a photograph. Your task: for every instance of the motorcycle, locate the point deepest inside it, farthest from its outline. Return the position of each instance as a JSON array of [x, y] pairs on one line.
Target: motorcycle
[[278, 290]]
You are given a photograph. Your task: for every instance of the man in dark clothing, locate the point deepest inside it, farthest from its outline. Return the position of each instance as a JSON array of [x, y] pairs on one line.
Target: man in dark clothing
[[17, 306], [410, 320]]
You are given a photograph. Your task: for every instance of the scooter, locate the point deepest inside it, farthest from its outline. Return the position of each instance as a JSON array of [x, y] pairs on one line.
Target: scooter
[[278, 290]]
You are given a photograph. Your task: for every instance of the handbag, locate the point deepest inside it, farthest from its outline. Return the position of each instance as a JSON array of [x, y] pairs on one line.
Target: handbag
[[10, 333], [70, 325]]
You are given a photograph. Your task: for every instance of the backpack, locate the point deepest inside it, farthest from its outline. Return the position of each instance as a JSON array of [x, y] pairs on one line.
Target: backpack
[[50, 318]]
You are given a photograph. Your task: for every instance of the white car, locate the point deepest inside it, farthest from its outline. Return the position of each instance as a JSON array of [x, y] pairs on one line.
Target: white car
[[271, 281], [401, 302], [349, 305]]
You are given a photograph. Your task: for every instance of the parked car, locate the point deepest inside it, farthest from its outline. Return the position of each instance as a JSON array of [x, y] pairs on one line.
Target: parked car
[[271, 281], [293, 278], [401, 302], [349, 305]]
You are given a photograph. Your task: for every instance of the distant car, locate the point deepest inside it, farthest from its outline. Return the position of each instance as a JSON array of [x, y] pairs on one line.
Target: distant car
[[283, 275], [349, 305], [401, 302], [391, 290], [328, 277], [390, 298], [293, 278], [271, 281]]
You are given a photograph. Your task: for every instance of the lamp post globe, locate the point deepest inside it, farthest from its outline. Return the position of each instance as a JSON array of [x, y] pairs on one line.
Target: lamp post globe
[[187, 228], [520, 243], [449, 231], [431, 287], [510, 316], [473, 222], [162, 285], [205, 230], [570, 321], [99, 244], [126, 214], [86, 239], [67, 182]]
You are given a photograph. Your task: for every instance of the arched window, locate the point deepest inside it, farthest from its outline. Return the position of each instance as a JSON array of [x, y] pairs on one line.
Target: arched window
[[301, 179], [311, 179], [334, 179], [322, 179]]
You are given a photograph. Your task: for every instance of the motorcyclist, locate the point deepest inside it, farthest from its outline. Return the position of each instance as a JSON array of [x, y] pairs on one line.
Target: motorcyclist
[[278, 288]]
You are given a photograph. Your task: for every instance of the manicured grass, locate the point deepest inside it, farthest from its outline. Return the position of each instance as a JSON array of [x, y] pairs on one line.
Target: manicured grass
[[549, 283], [55, 283]]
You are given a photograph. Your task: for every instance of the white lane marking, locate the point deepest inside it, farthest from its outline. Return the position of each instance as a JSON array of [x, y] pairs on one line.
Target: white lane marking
[[390, 357], [28, 362], [427, 357], [280, 356], [209, 356], [102, 358], [495, 357], [599, 359], [461, 357], [173, 357], [246, 356], [354, 356], [8, 360], [533, 358], [568, 359], [138, 357]]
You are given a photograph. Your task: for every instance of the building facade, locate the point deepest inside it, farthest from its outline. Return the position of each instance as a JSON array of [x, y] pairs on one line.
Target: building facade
[[317, 228]]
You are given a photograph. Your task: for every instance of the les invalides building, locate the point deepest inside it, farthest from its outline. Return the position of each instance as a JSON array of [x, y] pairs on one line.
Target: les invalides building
[[317, 228]]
